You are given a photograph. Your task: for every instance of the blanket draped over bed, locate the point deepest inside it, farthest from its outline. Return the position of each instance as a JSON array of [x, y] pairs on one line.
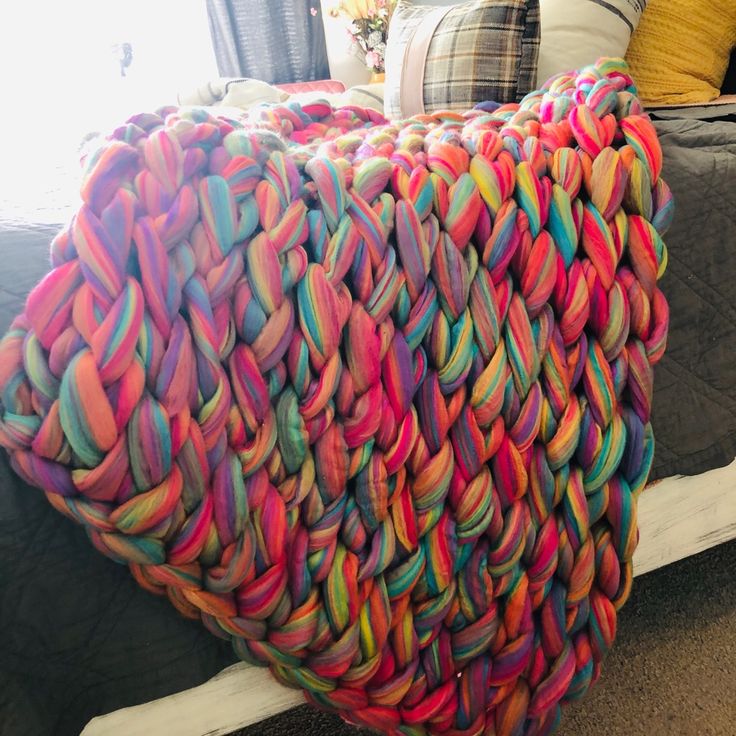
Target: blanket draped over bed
[[372, 400]]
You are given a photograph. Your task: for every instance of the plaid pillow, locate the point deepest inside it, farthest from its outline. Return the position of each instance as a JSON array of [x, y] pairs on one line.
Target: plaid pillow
[[450, 58]]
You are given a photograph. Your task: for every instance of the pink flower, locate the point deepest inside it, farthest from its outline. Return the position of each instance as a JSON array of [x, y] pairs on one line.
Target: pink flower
[[313, 11], [372, 59]]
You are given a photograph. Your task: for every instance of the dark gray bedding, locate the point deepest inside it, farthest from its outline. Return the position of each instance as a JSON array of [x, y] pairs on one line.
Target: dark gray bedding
[[78, 637], [694, 413]]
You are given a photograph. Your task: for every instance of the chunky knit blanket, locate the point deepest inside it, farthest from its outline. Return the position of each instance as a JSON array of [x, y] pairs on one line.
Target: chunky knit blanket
[[371, 400]]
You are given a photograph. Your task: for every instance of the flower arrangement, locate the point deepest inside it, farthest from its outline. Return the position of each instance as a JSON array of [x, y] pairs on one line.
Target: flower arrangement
[[368, 28]]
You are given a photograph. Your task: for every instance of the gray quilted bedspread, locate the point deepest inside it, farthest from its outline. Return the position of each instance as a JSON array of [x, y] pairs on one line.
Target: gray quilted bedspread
[[694, 413]]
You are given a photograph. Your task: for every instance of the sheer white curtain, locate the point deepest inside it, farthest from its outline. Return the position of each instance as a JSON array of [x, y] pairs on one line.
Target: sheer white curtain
[[60, 79]]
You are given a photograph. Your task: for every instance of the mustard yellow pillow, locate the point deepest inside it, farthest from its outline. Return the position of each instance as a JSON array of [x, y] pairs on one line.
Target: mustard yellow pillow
[[679, 52]]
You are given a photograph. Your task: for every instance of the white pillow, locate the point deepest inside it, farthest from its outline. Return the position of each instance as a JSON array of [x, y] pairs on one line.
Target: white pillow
[[577, 32]]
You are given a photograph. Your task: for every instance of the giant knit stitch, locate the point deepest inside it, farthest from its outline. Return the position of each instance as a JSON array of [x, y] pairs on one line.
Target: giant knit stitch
[[371, 400]]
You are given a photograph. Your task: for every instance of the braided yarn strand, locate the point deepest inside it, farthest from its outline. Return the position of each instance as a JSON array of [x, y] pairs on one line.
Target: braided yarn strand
[[371, 400]]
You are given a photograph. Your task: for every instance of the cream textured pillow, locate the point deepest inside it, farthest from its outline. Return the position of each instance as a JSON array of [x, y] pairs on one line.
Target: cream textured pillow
[[576, 33]]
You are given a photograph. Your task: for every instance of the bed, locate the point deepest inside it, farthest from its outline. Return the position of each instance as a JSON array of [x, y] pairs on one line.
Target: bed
[[80, 640]]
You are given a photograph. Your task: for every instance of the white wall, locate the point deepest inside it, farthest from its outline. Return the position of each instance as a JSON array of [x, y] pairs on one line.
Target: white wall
[[344, 64]]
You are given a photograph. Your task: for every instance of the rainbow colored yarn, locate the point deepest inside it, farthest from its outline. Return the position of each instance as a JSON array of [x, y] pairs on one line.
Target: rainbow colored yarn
[[371, 400]]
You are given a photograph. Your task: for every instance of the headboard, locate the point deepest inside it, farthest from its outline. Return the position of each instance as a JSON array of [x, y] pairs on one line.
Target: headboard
[[729, 83]]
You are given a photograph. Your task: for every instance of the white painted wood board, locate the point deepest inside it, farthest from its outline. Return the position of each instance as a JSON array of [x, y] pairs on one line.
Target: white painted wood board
[[678, 517], [684, 515]]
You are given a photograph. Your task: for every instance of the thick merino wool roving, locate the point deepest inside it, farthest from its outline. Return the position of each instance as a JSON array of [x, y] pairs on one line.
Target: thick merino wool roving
[[370, 399]]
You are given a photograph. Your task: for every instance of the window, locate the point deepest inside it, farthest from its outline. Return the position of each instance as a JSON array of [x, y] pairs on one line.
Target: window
[[62, 79]]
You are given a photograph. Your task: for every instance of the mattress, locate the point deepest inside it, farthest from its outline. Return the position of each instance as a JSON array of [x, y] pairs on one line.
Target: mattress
[[79, 638]]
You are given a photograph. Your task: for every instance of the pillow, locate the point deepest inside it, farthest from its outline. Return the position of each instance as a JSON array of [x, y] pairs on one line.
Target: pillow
[[362, 95], [575, 33], [232, 92], [450, 58], [680, 51]]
